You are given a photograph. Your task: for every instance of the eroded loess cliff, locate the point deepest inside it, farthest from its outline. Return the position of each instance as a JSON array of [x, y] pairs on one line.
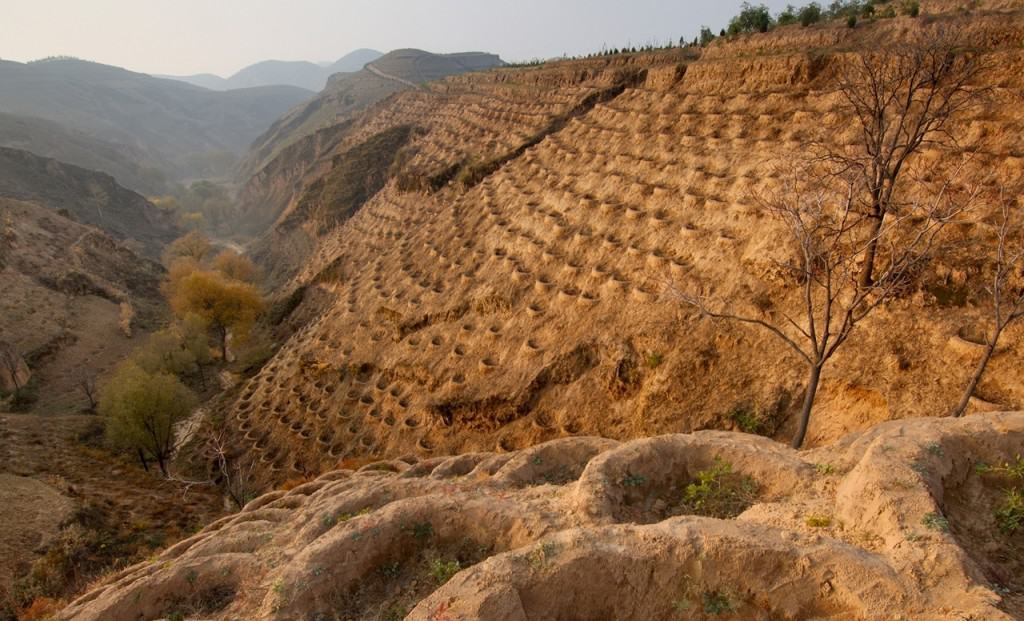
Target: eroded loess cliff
[[590, 528]]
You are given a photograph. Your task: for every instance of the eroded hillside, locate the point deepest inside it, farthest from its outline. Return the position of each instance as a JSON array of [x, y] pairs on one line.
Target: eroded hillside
[[590, 528], [508, 284]]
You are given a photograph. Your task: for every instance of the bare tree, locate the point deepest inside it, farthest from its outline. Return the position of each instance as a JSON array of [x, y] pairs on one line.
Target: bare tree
[[11, 362], [87, 384], [901, 98], [830, 240], [1006, 291]]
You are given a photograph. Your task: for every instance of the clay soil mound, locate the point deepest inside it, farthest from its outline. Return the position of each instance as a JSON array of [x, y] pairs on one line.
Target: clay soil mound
[[873, 527]]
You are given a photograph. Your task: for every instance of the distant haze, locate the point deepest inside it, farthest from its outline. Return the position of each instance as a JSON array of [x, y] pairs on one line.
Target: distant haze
[[183, 37]]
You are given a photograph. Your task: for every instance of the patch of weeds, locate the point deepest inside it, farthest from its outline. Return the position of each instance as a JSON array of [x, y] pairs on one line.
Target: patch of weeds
[[747, 420], [719, 492], [537, 460], [634, 480], [717, 602], [934, 448], [330, 520], [654, 360], [825, 469], [442, 571], [1010, 515], [394, 613], [919, 467], [818, 521], [935, 521], [390, 570], [421, 531], [542, 553]]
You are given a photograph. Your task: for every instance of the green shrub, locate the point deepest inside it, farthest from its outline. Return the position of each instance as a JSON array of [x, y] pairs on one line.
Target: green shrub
[[719, 492], [1010, 515], [851, 21], [442, 571], [810, 14]]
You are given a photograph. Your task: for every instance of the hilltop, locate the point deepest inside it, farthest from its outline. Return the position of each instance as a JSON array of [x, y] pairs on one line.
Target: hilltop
[[184, 130], [303, 74], [129, 166], [86, 196]]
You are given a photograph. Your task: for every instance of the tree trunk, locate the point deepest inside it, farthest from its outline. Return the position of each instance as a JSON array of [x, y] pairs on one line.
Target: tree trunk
[[978, 372], [163, 464], [805, 414], [223, 333], [142, 458], [868, 268]]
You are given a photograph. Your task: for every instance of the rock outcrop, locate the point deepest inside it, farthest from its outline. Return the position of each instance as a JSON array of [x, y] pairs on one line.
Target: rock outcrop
[[873, 527]]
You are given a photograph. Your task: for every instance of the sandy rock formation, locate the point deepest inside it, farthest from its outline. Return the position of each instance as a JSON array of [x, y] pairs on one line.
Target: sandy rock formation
[[886, 524]]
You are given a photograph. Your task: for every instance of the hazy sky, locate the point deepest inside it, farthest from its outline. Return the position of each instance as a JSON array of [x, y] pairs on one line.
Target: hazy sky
[[222, 36]]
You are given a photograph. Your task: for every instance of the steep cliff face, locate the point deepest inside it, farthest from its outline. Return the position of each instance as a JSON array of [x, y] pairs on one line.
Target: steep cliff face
[[88, 197], [512, 282]]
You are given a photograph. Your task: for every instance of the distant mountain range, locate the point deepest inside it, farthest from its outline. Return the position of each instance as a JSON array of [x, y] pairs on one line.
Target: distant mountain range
[[300, 73], [183, 130]]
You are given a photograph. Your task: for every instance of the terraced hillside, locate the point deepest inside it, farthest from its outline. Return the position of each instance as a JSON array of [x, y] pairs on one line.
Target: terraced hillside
[[288, 141], [508, 282]]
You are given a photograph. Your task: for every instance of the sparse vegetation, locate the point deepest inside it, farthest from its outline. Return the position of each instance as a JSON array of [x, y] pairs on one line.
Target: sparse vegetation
[[719, 492], [816, 520], [935, 521]]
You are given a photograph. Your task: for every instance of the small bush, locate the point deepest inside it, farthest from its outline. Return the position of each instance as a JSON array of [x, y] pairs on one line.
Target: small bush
[[719, 492], [810, 14], [654, 360], [851, 21], [1010, 515], [442, 571], [716, 603], [912, 8], [935, 521]]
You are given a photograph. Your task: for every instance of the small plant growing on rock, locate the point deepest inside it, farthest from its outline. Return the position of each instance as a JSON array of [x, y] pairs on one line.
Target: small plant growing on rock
[[719, 492], [634, 480], [935, 521], [818, 521], [442, 571], [717, 602], [1010, 516]]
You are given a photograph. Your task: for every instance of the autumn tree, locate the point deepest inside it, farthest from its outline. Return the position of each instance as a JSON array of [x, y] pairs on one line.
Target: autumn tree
[[235, 266], [224, 306], [140, 410], [192, 246], [1006, 289]]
